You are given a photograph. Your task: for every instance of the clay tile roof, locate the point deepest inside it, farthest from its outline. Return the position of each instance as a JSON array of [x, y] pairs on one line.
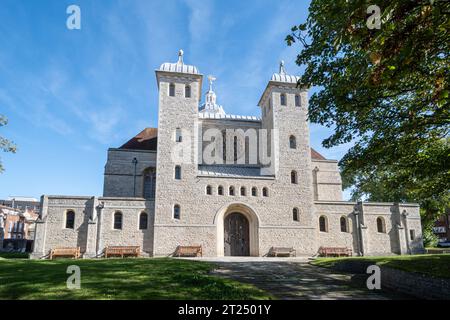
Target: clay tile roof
[[316, 156], [146, 140]]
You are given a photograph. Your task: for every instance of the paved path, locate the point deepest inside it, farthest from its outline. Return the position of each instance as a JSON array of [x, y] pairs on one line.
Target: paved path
[[297, 279]]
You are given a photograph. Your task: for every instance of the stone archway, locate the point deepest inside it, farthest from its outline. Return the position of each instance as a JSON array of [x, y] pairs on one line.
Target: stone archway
[[241, 234]]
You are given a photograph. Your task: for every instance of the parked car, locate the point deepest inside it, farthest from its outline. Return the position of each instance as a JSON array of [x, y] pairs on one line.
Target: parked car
[[444, 244]]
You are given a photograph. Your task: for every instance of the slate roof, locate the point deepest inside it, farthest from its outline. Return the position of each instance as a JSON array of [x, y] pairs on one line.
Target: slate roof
[[208, 115], [228, 171]]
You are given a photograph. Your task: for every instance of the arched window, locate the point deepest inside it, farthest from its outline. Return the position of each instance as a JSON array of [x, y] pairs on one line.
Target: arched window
[[297, 100], [70, 219], [177, 172], [143, 221], [235, 148], [231, 191], [224, 146], [283, 99], [265, 192], [208, 190], [294, 177], [220, 191], [254, 192], [178, 136], [292, 142], [323, 224], [172, 90], [187, 91], [176, 212], [344, 225], [118, 220], [295, 215], [149, 183], [381, 226], [243, 191]]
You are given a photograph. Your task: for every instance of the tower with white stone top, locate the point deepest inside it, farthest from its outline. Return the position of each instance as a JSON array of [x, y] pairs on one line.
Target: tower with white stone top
[[284, 108], [179, 96]]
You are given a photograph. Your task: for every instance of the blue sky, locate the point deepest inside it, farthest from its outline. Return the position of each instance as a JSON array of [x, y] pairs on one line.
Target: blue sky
[[71, 94]]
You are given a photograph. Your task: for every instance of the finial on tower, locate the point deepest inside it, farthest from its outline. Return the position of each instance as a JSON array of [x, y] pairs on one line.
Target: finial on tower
[[210, 105], [282, 68], [211, 79], [180, 56]]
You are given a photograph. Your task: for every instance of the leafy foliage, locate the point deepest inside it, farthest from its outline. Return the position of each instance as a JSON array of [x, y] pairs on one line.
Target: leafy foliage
[[386, 90], [5, 144]]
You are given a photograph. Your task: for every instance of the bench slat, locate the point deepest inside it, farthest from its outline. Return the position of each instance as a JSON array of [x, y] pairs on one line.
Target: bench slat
[[122, 251], [277, 251], [326, 251], [65, 252], [183, 251]]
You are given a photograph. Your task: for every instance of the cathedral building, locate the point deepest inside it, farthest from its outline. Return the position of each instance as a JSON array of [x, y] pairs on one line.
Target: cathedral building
[[235, 185]]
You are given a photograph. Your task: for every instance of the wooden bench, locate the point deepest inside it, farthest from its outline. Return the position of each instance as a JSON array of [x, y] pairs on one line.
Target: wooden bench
[[282, 252], [335, 251], [122, 251], [188, 251], [65, 252]]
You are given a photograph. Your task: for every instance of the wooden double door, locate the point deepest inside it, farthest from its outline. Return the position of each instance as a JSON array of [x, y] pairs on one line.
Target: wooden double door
[[237, 236]]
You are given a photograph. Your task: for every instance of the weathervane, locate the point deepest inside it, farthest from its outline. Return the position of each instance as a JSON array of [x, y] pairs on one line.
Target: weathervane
[[282, 69], [180, 56], [211, 79]]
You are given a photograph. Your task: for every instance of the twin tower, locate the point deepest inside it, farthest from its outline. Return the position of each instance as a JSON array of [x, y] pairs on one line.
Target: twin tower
[[203, 193]]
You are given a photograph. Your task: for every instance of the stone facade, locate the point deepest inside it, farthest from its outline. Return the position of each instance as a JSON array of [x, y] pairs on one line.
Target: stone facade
[[190, 201]]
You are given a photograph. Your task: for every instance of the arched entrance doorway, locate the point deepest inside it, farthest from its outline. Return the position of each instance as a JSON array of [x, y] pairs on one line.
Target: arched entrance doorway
[[236, 235], [237, 230]]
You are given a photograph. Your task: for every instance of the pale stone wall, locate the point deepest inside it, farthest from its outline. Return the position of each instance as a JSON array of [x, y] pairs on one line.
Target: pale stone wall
[[178, 233], [273, 212], [119, 172], [286, 121], [327, 183], [378, 242], [334, 237], [199, 209], [129, 235], [412, 221], [176, 112], [93, 229], [302, 239], [395, 239], [226, 124], [56, 234]]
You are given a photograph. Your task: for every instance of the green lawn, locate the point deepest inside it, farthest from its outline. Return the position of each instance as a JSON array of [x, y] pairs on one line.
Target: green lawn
[[119, 279], [436, 265]]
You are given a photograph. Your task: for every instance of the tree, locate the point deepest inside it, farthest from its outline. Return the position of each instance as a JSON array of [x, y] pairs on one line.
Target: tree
[[387, 90], [5, 144]]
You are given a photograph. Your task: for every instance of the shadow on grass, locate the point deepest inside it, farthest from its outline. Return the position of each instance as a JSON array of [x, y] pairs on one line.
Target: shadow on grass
[[435, 265], [119, 279]]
